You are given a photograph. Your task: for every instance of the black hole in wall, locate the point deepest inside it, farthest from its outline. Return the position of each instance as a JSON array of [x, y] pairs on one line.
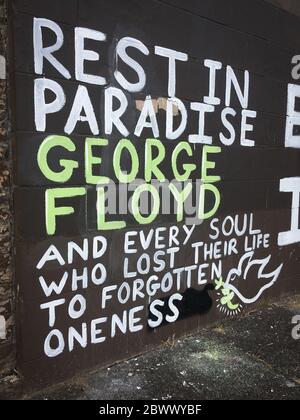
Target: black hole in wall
[[193, 303]]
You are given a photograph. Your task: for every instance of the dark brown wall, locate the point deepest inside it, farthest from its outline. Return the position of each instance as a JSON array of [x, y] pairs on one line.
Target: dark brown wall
[[257, 37]]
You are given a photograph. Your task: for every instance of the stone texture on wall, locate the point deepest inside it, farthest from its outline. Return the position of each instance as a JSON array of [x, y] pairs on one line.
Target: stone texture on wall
[[7, 358]]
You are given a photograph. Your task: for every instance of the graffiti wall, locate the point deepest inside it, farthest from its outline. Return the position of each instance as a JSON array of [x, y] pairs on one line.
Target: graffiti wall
[[156, 172]]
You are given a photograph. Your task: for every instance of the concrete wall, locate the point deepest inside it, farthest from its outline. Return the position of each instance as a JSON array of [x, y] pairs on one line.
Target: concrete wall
[[7, 349], [254, 176], [7, 358]]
